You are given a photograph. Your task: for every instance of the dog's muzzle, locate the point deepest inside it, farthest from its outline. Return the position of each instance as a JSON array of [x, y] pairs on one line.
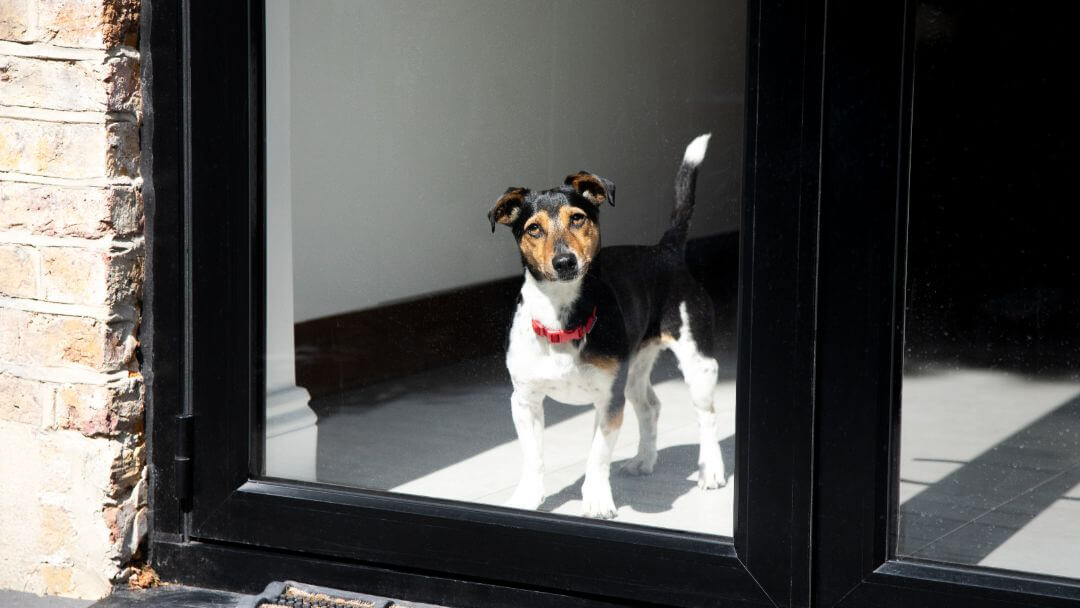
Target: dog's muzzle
[[565, 266]]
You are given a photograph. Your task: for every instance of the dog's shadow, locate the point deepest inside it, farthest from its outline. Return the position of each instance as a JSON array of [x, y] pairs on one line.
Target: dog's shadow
[[675, 475]]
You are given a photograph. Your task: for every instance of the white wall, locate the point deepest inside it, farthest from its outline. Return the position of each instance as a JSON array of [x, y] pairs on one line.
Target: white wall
[[410, 118]]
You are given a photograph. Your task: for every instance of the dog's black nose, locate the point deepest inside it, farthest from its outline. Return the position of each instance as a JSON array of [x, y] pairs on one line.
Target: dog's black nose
[[565, 265]]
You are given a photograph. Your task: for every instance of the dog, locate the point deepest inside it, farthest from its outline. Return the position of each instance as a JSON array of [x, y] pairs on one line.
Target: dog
[[590, 323]]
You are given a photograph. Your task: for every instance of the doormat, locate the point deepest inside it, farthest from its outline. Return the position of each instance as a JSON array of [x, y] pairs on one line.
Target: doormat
[[290, 594]]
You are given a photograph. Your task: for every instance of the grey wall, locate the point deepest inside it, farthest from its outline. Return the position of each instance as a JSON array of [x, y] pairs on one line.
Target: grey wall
[[410, 118]]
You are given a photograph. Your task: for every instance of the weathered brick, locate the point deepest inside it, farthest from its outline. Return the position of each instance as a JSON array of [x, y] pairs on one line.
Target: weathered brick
[[54, 149], [83, 276], [10, 321], [60, 211], [122, 156], [57, 579], [16, 20], [18, 271], [99, 410], [57, 85], [120, 22], [55, 529], [52, 340], [111, 85], [88, 23], [58, 340], [128, 467], [48, 472], [23, 400], [74, 456], [98, 24], [123, 90], [73, 275]]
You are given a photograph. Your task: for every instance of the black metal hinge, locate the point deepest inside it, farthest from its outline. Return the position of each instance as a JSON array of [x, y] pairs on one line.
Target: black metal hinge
[[185, 444]]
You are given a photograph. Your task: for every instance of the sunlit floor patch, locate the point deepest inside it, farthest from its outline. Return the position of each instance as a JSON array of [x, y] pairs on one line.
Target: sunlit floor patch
[[449, 435], [990, 469]]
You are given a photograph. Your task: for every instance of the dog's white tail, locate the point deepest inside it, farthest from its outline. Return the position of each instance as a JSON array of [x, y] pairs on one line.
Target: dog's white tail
[[685, 181]]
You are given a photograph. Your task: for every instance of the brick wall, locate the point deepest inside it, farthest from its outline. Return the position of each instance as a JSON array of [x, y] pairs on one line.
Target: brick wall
[[72, 464]]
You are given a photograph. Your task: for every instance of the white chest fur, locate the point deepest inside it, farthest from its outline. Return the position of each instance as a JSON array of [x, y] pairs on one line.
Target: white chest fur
[[538, 366]]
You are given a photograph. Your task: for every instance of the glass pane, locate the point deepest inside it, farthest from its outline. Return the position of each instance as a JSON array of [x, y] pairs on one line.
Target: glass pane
[[400, 268], [990, 447]]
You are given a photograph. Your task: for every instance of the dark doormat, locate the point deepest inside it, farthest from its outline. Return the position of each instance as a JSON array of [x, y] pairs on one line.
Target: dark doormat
[[290, 594]]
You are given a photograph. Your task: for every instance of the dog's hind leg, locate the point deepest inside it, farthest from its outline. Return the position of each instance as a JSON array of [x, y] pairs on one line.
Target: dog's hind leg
[[700, 371], [596, 490], [528, 412], [640, 394]]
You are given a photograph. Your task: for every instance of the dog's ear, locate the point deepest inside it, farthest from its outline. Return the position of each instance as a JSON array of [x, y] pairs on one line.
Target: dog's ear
[[593, 187], [508, 207]]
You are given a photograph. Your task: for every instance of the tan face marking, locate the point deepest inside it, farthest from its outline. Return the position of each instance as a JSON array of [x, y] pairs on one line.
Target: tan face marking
[[581, 234], [538, 244], [573, 227]]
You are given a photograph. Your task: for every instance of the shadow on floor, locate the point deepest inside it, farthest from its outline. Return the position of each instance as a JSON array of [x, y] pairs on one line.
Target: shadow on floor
[[394, 432], [974, 510], [674, 476]]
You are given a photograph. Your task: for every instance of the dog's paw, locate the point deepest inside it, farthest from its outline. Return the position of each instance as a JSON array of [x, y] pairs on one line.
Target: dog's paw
[[711, 477], [597, 501], [642, 464], [528, 495]]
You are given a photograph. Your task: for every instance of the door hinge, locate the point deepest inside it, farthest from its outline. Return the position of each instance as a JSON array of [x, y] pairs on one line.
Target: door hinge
[[185, 444]]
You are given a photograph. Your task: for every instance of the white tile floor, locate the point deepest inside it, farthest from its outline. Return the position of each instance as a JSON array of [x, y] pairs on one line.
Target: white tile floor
[[669, 498], [451, 437], [990, 470], [990, 461]]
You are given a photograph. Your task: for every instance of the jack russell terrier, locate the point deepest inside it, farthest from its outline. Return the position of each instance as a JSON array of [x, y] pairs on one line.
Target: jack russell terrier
[[590, 323]]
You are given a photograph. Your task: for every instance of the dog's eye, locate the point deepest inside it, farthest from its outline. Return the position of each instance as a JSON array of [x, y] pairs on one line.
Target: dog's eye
[[577, 219], [534, 230]]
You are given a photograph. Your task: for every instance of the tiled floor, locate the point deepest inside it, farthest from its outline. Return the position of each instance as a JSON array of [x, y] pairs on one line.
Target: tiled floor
[[990, 470], [449, 434], [990, 461]]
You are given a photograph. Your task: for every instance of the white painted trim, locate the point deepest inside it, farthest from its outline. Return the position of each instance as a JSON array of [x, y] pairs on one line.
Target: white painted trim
[[291, 432], [287, 410], [291, 436]]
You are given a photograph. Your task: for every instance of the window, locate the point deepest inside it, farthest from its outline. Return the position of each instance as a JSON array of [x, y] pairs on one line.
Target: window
[[990, 439], [365, 179], [392, 129]]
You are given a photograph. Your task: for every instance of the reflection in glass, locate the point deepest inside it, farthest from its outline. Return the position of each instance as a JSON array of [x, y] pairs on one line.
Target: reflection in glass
[[990, 446], [392, 128]]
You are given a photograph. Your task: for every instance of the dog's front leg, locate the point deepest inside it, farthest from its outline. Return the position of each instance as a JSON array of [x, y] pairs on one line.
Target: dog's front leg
[[528, 412], [596, 490]]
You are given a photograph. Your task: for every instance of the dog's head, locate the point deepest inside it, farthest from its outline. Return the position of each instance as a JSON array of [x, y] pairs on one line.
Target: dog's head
[[557, 230]]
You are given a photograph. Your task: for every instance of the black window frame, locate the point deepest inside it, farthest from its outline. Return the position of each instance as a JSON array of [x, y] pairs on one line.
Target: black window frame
[[828, 100], [869, 76], [205, 135]]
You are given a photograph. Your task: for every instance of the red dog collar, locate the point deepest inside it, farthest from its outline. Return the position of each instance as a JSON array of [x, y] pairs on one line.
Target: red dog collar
[[557, 336]]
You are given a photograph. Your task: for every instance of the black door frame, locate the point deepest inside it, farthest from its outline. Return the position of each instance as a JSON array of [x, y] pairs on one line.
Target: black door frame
[[869, 72], [821, 287], [205, 163]]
